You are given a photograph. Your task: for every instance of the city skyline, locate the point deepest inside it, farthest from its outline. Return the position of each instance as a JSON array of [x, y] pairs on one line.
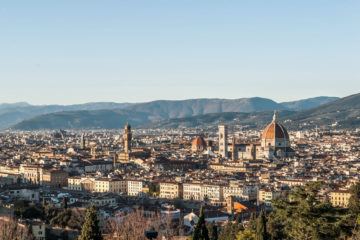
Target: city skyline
[[206, 119], [76, 52]]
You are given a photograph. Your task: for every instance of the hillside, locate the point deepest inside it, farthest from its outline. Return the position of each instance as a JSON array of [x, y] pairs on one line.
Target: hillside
[[98, 119], [11, 114], [345, 112], [307, 103], [165, 109], [155, 111], [250, 120]]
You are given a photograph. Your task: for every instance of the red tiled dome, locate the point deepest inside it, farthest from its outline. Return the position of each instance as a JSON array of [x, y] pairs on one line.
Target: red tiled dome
[[199, 141], [275, 130]]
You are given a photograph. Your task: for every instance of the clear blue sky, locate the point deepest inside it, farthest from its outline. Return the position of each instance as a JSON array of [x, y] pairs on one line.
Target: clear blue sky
[[73, 51]]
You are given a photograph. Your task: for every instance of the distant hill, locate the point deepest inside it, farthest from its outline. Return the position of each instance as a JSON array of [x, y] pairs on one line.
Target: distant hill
[[97, 119], [5, 106], [344, 112], [11, 114], [166, 109], [307, 103], [250, 120], [145, 113]]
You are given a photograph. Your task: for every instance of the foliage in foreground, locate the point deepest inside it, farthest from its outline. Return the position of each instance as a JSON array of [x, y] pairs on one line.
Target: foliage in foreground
[[10, 229], [90, 229], [305, 216]]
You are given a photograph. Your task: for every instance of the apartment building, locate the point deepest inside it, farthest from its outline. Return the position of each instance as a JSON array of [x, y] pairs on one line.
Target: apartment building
[[55, 178], [266, 195], [171, 190], [340, 198], [134, 187], [211, 191], [235, 190], [192, 191]]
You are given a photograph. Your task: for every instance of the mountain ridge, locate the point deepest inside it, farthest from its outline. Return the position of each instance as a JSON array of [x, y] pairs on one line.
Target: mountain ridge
[[12, 113], [342, 113], [145, 113]]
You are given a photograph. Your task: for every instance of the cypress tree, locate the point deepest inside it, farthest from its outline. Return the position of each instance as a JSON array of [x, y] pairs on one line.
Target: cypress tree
[[252, 222], [64, 203], [29, 230], [43, 202], [201, 232], [90, 229], [212, 230], [238, 219], [261, 233]]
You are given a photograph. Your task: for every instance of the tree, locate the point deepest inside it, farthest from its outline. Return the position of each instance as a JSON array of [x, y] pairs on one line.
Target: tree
[[64, 203], [62, 218], [26, 209], [261, 233], [354, 208], [29, 230], [238, 219], [90, 229], [201, 232], [304, 216], [246, 235], [354, 200], [252, 222], [274, 227], [212, 230], [154, 189], [77, 218], [29, 233], [132, 225], [50, 213], [230, 231], [10, 229]]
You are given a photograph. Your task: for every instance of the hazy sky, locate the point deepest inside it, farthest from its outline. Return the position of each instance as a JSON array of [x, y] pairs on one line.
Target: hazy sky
[[80, 51]]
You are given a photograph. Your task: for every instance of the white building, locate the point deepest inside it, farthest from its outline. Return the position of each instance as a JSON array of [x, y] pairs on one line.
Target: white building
[[134, 187], [192, 191], [211, 192]]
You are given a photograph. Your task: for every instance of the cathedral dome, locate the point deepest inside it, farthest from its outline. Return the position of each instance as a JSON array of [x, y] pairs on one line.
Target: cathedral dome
[[275, 131], [199, 141], [198, 145]]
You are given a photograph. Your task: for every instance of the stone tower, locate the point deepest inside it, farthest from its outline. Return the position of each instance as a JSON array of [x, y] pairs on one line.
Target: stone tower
[[114, 160], [223, 140], [127, 138], [233, 155], [82, 142]]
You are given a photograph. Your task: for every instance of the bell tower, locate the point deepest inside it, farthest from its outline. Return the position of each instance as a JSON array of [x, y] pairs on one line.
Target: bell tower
[[127, 138], [223, 141]]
